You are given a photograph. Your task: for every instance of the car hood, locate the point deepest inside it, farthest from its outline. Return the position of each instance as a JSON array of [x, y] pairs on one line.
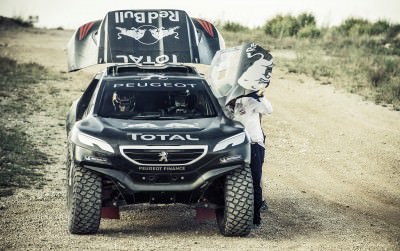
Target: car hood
[[117, 132]]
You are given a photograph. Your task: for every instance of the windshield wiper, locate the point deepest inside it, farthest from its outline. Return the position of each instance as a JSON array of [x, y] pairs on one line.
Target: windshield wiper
[[149, 117], [152, 116]]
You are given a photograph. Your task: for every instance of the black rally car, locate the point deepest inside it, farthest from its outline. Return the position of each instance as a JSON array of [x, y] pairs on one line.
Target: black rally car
[[153, 133]]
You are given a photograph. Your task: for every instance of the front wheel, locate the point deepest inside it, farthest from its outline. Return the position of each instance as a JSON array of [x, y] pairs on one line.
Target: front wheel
[[236, 218], [84, 201]]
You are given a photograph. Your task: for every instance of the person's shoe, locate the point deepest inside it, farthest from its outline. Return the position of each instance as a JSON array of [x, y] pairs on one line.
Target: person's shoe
[[257, 222], [264, 206]]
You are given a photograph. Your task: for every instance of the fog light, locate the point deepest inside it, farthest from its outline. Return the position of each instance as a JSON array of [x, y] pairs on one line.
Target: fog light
[[232, 158]]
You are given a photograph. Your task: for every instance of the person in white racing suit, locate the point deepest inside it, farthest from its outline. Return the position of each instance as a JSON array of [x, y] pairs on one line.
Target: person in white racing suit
[[248, 110]]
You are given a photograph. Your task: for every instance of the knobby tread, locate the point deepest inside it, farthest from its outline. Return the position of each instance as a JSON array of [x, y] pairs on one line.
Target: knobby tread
[[85, 201], [237, 216]]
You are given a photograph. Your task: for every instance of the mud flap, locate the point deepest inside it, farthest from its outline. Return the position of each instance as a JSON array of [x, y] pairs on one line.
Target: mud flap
[[110, 213], [205, 214]]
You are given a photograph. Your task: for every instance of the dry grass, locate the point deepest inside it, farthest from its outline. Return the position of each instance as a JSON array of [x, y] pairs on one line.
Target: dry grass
[[366, 65], [20, 158]]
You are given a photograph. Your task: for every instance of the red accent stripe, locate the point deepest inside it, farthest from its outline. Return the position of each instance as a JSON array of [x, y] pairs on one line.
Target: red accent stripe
[[207, 26], [210, 29], [84, 30]]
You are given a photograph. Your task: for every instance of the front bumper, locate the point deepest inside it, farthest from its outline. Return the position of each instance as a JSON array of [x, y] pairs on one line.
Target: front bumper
[[135, 179], [126, 182]]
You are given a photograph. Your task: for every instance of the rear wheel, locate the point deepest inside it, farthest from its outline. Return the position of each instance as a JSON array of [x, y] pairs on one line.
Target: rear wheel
[[236, 218], [84, 201]]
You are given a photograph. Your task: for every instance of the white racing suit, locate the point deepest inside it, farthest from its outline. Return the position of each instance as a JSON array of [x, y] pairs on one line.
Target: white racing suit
[[248, 111]]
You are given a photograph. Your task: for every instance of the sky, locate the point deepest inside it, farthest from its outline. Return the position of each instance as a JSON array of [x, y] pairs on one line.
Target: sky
[[70, 14]]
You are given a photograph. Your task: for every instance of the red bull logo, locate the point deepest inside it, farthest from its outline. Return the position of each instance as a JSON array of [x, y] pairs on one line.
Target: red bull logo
[[147, 34]]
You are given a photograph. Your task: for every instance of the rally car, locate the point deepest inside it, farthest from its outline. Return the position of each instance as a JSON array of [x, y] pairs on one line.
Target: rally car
[[155, 134], [149, 129]]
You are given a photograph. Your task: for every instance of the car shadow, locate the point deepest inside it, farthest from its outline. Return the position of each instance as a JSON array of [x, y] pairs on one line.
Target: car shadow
[[284, 220], [142, 220]]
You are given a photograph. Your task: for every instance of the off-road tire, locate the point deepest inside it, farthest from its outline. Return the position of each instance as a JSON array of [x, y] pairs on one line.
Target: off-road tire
[[84, 201], [236, 218]]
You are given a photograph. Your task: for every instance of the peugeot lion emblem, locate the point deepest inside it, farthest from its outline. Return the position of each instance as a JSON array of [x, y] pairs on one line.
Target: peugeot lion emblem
[[163, 156]]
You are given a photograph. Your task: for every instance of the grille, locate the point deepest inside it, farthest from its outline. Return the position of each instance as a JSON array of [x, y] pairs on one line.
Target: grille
[[162, 155]]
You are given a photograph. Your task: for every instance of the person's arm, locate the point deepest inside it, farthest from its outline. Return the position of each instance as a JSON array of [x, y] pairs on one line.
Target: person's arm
[[260, 104], [263, 106]]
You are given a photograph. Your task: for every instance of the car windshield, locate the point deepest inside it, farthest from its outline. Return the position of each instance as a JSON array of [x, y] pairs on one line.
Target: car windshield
[[141, 100]]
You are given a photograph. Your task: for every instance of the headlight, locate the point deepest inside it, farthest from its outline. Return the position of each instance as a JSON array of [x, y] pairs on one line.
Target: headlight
[[231, 141], [228, 159], [92, 141]]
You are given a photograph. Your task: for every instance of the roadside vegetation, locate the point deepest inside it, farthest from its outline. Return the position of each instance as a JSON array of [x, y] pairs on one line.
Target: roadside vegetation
[[360, 56], [6, 22], [20, 159]]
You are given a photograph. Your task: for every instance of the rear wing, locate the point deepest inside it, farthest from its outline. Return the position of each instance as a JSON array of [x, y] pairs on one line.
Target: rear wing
[[144, 37]]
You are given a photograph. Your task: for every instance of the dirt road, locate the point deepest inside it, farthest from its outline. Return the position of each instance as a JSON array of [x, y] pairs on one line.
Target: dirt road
[[332, 177]]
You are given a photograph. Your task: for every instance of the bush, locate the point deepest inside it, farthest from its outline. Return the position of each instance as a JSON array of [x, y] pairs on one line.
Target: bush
[[234, 27], [354, 26], [382, 70], [393, 31], [306, 19], [289, 26], [358, 55], [309, 31], [282, 26], [379, 27], [358, 26], [14, 22]]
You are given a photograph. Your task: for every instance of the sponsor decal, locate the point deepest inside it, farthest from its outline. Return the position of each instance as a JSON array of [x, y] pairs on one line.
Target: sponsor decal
[[146, 16], [170, 125], [134, 33], [162, 168], [259, 72], [154, 84], [159, 33], [207, 26], [181, 125], [84, 30], [142, 125], [155, 76], [163, 156], [162, 137], [147, 34], [161, 59]]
